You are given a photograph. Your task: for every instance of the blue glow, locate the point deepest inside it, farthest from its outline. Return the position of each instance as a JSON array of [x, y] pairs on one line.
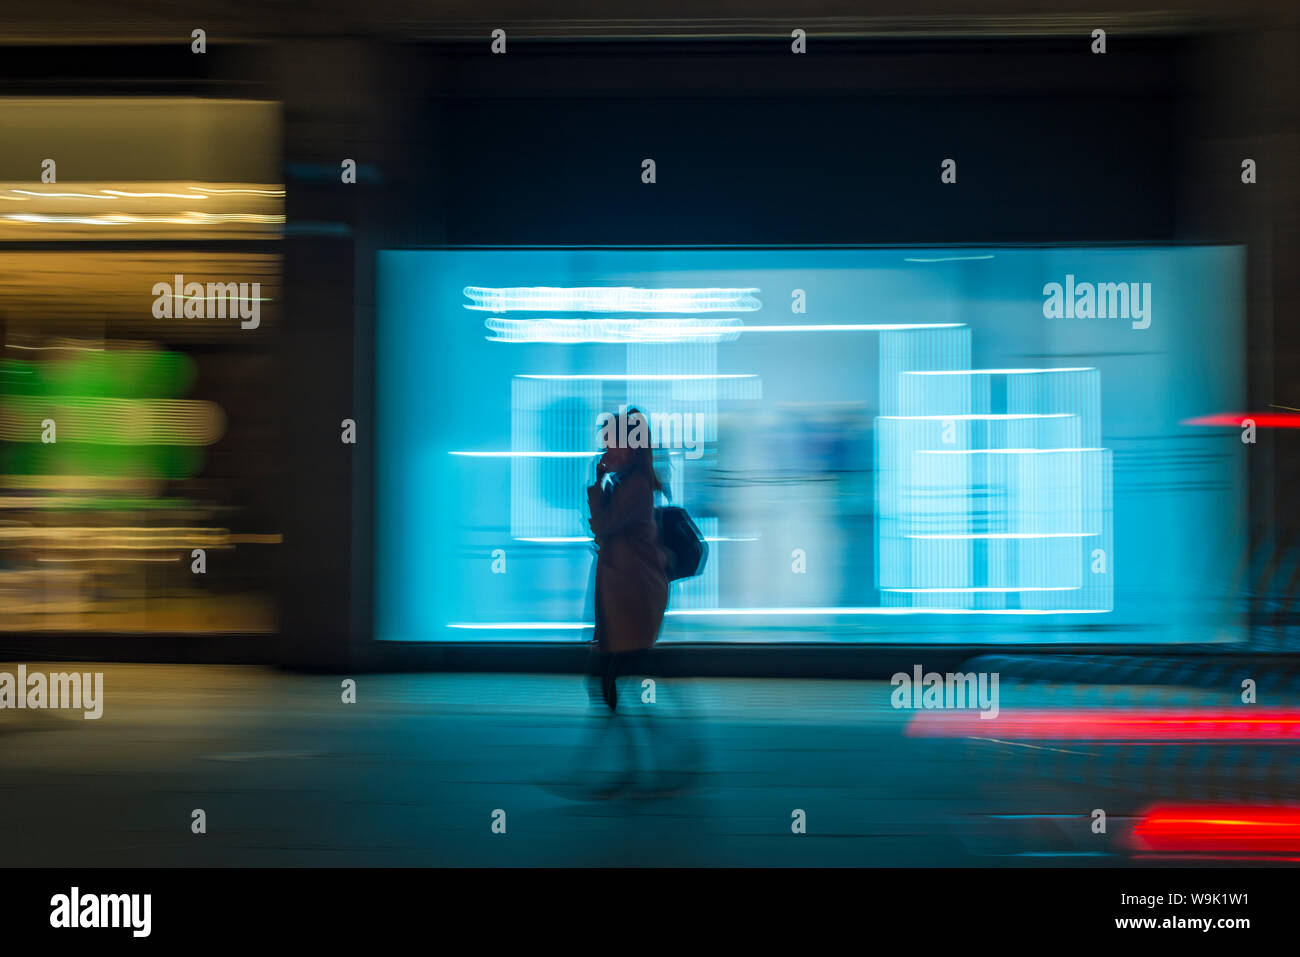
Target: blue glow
[[923, 454]]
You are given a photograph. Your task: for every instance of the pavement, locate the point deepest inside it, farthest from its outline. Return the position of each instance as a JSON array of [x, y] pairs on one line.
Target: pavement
[[523, 770]]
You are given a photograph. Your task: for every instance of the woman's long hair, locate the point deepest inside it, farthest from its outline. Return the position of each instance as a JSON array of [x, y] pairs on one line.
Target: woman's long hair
[[642, 455]]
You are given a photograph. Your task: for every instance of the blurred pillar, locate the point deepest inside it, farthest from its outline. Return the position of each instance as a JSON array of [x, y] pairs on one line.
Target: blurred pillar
[[328, 106]]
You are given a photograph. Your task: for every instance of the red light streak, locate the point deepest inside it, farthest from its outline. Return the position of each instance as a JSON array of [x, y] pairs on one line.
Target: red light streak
[[1242, 724], [1221, 828], [1263, 420]]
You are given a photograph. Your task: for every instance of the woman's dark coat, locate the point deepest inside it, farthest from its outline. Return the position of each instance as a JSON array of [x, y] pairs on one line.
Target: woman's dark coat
[[631, 581]]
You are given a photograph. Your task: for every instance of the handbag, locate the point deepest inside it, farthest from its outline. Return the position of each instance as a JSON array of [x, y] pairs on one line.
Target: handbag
[[687, 550]]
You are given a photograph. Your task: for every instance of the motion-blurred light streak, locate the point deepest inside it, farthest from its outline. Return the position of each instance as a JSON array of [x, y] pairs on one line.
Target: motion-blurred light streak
[[144, 211], [611, 299], [1222, 828], [1118, 724], [1263, 420]]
